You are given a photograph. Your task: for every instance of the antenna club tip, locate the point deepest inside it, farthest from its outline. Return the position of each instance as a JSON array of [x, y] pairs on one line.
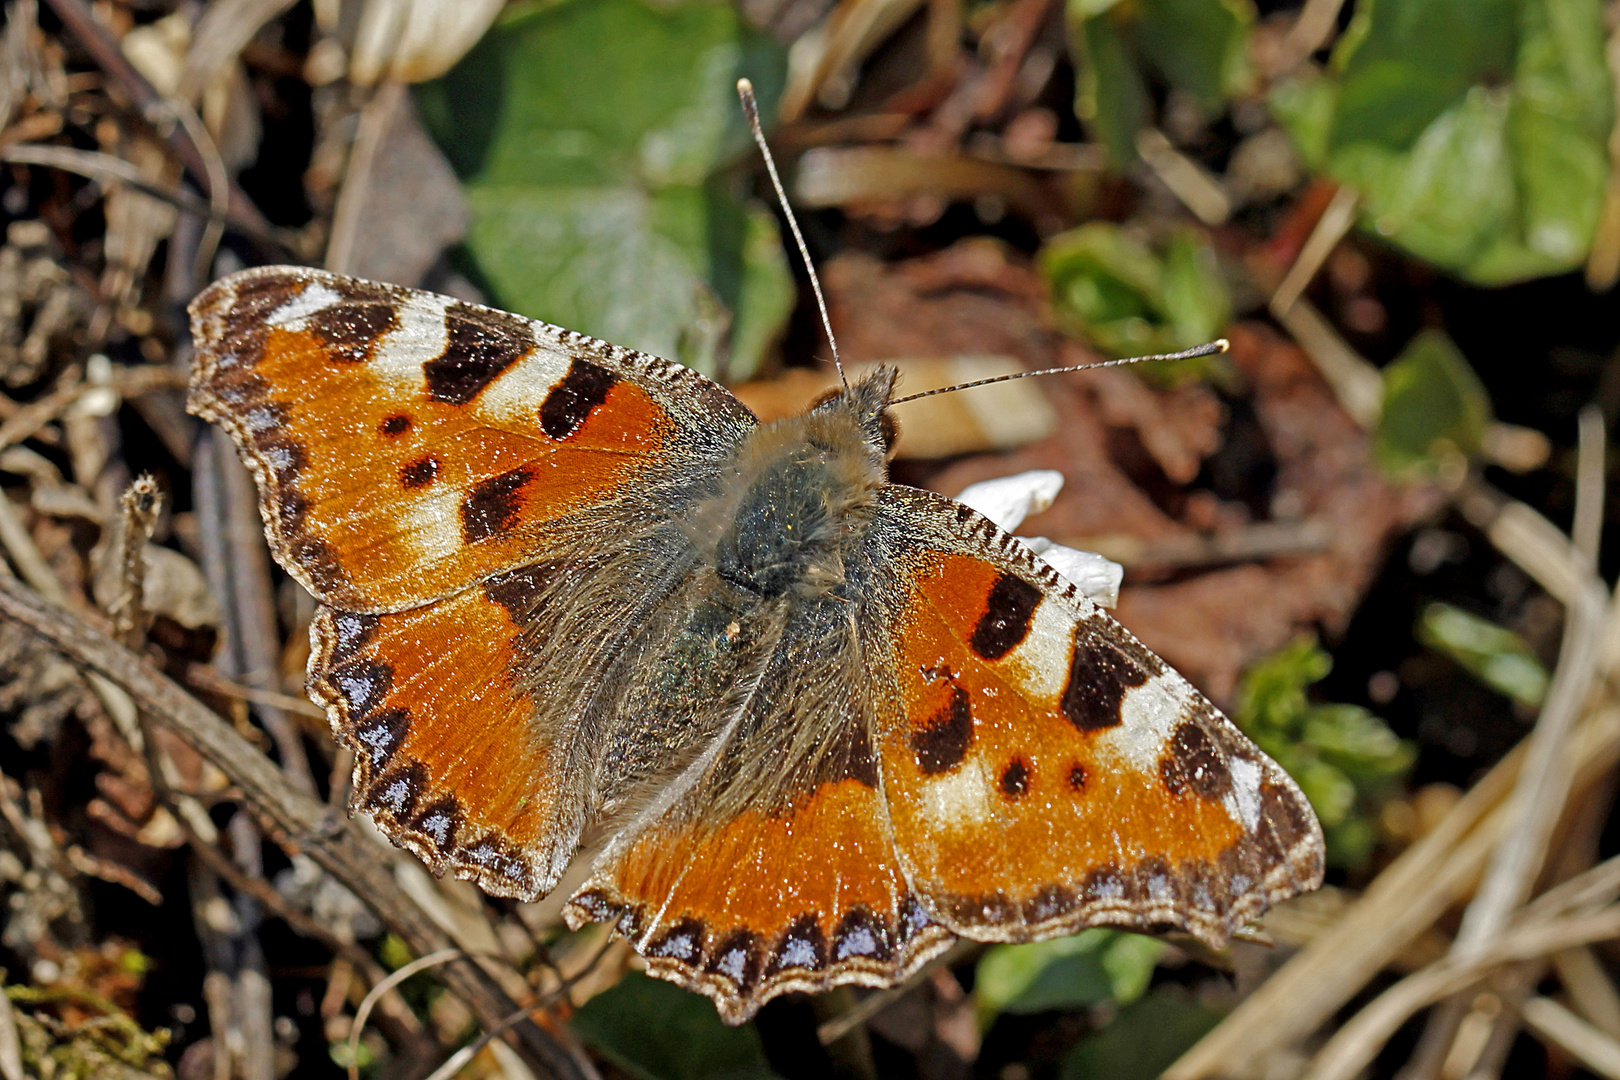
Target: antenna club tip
[[1222, 345], [745, 91]]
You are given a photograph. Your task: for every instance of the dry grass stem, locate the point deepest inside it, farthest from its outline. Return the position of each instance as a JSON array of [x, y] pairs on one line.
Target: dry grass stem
[[375, 116], [1526, 538], [1330, 228], [1401, 903], [1198, 191], [1590, 989], [1355, 382], [1555, 1024], [1355, 1044]]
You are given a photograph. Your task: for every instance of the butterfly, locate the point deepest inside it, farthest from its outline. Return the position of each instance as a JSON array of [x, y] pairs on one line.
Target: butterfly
[[813, 726]]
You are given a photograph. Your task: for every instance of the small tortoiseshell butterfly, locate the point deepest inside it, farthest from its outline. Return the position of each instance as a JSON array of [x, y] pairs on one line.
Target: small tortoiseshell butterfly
[[815, 725]]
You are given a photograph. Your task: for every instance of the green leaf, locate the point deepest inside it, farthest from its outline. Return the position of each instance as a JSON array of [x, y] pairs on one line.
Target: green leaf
[[1433, 402], [1494, 654], [1110, 97], [1271, 697], [1065, 973], [1561, 175], [1408, 61], [1143, 1041], [591, 136], [1200, 46], [1331, 793], [1305, 107], [1192, 296], [1128, 301], [1560, 70], [1475, 130], [1356, 742], [1448, 197], [656, 1031], [1343, 757]]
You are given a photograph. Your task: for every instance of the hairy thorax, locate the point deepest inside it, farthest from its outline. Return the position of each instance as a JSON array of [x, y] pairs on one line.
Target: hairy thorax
[[794, 504]]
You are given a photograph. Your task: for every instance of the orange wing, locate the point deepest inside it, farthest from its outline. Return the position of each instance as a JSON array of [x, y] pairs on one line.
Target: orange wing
[[803, 898], [408, 445], [410, 693], [1045, 772]]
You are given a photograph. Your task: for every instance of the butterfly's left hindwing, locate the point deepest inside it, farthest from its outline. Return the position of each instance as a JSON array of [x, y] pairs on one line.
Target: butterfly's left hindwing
[[1043, 771], [409, 693]]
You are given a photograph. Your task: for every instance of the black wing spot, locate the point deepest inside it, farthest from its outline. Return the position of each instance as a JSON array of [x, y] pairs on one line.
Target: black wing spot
[[491, 507], [1007, 614], [440, 822], [942, 744], [1192, 762], [351, 331], [382, 734], [1099, 678], [480, 344], [1283, 821], [684, 941], [519, 591], [397, 424], [419, 473], [860, 934], [802, 947], [570, 402], [398, 791], [1014, 781], [1078, 777], [738, 959], [363, 684]]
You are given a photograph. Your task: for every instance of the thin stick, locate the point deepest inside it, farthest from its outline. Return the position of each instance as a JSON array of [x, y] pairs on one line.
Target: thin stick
[[1208, 349], [458, 1060], [383, 986], [138, 511], [745, 90]]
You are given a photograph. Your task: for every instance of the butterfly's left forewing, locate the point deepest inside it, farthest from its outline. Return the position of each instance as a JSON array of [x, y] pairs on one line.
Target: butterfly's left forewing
[[409, 445], [1043, 771]]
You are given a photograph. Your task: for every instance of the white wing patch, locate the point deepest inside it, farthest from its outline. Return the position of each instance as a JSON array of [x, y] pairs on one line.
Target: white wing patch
[[291, 315], [1243, 801], [957, 798], [1040, 663], [521, 388], [433, 522], [422, 334], [1148, 716]]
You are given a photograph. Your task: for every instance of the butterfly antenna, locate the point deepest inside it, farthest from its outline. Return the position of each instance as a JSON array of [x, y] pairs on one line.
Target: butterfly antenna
[[1209, 349], [745, 90]]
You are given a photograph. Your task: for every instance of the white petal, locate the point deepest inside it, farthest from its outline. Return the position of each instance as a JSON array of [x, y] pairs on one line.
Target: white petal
[[1095, 576], [1008, 500]]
